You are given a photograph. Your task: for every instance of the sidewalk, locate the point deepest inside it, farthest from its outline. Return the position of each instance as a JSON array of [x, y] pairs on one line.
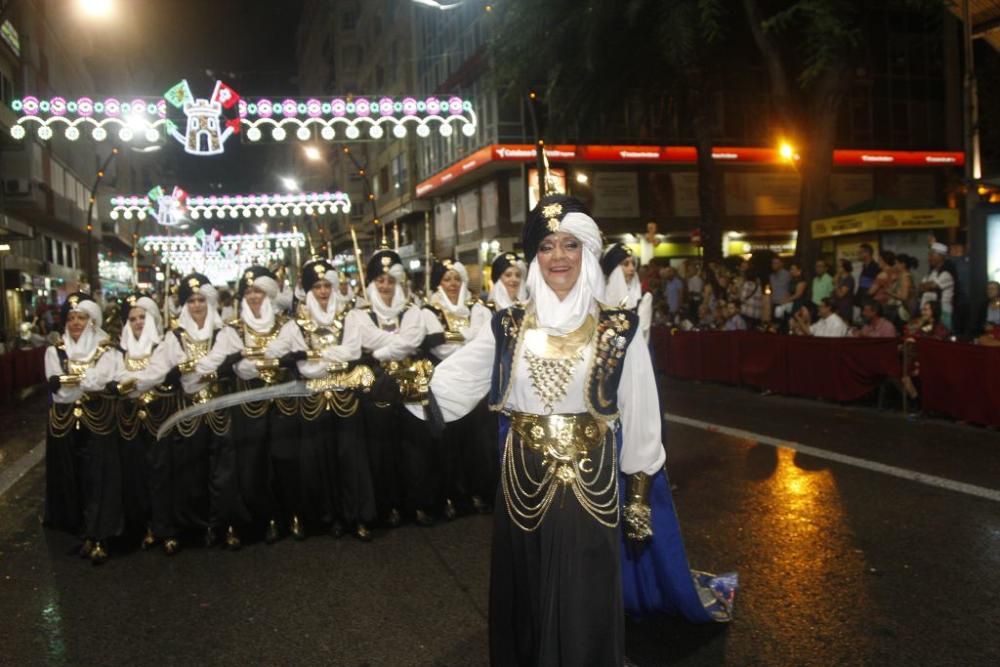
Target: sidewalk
[[22, 426]]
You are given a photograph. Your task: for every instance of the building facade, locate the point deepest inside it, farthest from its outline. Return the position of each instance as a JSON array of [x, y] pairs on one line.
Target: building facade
[[54, 228], [899, 137]]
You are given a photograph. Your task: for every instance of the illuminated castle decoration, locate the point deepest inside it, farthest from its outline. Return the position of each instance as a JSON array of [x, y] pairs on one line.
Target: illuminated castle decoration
[[170, 208], [208, 122], [202, 126]]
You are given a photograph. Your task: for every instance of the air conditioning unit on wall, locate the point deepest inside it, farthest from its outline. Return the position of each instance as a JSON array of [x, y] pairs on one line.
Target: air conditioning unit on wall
[[15, 187]]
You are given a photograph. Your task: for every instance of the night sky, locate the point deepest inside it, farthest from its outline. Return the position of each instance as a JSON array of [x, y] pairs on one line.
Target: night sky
[[250, 45]]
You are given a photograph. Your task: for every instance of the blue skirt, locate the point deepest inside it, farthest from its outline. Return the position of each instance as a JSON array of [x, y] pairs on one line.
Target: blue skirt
[[658, 580]]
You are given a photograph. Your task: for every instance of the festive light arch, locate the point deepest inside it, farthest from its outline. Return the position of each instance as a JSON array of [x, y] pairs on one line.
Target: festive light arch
[[202, 125], [222, 257], [170, 209]]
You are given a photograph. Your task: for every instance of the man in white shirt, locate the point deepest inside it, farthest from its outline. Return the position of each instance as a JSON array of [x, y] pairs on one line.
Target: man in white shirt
[[830, 324], [821, 322], [939, 284]]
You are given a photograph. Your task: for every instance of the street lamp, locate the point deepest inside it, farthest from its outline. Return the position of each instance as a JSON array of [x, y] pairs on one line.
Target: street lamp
[[99, 9], [290, 184], [786, 151], [313, 154]]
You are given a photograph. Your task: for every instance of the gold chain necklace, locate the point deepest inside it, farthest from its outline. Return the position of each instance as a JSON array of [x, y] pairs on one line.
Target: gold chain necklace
[[550, 378]]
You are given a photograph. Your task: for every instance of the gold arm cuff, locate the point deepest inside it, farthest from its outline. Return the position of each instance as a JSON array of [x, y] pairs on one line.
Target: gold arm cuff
[[70, 380], [637, 513], [126, 386], [638, 488], [187, 366], [453, 337]]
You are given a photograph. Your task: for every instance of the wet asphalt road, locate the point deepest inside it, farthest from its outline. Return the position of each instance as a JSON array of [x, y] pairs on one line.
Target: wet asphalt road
[[838, 565]]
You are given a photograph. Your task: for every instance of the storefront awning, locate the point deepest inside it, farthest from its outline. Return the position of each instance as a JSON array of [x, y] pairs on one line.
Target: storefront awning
[[885, 220]]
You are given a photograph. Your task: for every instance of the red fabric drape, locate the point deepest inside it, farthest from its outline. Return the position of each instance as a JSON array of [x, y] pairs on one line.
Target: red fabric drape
[[838, 369], [20, 369], [960, 380]]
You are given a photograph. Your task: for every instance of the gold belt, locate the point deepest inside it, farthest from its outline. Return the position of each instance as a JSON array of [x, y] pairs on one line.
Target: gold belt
[[569, 453], [559, 436]]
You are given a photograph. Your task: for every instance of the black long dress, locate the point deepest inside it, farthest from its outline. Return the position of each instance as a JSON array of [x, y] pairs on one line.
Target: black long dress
[[335, 473], [83, 476]]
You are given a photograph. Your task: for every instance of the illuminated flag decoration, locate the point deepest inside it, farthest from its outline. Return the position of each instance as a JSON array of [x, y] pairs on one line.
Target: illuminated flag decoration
[[230, 101], [179, 95], [225, 95]]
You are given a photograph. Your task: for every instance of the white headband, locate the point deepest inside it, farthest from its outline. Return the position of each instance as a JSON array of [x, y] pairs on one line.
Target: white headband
[[91, 309], [267, 284], [583, 227]]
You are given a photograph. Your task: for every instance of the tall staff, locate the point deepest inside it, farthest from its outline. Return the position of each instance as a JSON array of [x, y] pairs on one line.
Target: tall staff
[[357, 257], [427, 254]]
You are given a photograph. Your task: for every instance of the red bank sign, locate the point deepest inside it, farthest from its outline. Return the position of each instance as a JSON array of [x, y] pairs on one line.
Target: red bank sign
[[677, 155]]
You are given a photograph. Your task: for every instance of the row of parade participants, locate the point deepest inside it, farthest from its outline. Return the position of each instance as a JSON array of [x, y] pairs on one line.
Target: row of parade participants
[[200, 434]]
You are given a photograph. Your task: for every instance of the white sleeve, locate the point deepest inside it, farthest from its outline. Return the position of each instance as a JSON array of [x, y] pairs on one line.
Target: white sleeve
[[109, 367], [840, 327], [350, 340], [289, 340], [407, 340], [638, 402], [160, 363], [461, 380], [645, 315], [479, 318], [227, 342]]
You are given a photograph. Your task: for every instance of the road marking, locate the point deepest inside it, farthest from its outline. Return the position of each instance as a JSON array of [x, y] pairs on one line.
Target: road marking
[[903, 473], [19, 468]]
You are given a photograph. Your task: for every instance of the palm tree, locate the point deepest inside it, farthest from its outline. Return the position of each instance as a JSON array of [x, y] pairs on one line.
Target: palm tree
[[588, 57]]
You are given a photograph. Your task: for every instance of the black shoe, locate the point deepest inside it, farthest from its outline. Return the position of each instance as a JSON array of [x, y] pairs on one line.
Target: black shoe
[[171, 546], [211, 538], [98, 555], [271, 535], [337, 530], [449, 510], [232, 539], [423, 518], [362, 533], [394, 518], [148, 540], [85, 548], [297, 529]]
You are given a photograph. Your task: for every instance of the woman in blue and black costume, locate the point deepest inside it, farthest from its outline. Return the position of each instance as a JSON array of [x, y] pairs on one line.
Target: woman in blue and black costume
[[145, 461], [451, 318], [250, 348], [195, 487], [576, 389], [336, 484], [83, 476], [623, 288], [386, 333]]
